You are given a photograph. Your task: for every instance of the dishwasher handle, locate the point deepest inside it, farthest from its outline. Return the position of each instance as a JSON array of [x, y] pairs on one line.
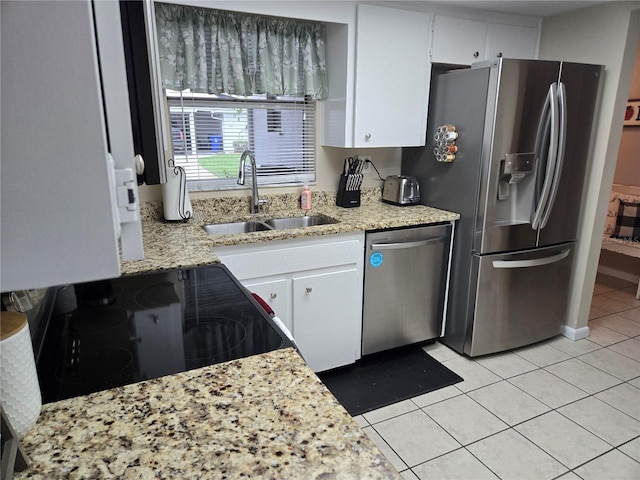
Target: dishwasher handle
[[403, 245]]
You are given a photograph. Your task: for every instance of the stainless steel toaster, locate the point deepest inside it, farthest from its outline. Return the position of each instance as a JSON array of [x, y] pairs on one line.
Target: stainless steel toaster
[[401, 190]]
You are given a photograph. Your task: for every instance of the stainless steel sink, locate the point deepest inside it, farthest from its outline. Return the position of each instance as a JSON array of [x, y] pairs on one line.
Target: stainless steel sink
[[297, 222], [234, 228]]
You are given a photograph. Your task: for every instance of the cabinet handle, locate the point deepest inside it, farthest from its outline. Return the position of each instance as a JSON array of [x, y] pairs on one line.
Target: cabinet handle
[[273, 295], [476, 54], [367, 136], [309, 289]]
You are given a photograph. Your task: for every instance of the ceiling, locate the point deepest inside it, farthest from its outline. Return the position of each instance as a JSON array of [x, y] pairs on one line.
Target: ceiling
[[534, 8]]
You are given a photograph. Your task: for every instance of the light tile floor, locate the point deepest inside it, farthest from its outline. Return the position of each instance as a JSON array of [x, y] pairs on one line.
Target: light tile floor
[[557, 409]]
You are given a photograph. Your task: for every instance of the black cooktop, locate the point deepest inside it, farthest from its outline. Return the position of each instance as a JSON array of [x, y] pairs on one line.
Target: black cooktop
[[114, 332]]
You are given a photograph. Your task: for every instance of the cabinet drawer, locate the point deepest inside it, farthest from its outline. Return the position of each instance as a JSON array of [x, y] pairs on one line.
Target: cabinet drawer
[[521, 298], [287, 257]]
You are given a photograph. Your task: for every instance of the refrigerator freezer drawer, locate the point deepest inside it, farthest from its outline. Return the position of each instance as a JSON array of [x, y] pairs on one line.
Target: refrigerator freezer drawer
[[521, 298]]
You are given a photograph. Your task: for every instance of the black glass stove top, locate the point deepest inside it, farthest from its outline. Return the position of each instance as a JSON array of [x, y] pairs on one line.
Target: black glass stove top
[[114, 332]]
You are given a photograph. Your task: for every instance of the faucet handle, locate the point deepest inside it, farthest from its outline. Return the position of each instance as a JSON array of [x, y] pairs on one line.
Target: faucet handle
[[263, 202]]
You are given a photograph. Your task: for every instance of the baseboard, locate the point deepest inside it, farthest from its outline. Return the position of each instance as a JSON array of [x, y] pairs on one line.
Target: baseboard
[[614, 272], [574, 333]]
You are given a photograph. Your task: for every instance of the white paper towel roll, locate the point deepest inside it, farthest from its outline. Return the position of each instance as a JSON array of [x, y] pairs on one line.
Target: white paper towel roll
[[19, 388], [175, 196]]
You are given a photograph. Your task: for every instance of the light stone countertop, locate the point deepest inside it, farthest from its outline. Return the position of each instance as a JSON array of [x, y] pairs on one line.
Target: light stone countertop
[[265, 416], [186, 244]]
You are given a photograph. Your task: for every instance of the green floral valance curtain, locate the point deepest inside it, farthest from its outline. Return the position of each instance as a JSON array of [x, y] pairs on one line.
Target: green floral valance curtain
[[212, 51]]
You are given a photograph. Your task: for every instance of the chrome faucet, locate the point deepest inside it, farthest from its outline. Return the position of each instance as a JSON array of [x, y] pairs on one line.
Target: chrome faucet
[[256, 201]]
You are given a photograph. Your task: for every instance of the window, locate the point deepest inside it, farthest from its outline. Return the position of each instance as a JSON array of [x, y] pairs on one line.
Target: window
[[237, 81], [274, 120], [210, 132]]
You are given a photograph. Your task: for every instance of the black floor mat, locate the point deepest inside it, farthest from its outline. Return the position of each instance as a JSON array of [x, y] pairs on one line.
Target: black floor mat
[[384, 378]]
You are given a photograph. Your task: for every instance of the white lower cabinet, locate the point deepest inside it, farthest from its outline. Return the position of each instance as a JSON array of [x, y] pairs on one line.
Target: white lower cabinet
[[276, 294], [325, 306], [314, 285]]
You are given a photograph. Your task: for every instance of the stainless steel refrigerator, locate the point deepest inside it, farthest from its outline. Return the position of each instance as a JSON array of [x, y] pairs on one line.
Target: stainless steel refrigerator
[[515, 173]]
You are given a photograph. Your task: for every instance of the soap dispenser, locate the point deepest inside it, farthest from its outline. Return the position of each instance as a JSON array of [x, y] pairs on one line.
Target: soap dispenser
[[305, 198]]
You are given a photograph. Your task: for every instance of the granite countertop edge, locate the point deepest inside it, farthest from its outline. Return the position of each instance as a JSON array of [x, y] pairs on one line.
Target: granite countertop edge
[[264, 416], [170, 245]]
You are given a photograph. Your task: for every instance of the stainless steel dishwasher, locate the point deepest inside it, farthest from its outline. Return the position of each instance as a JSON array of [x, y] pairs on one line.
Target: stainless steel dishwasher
[[405, 284]]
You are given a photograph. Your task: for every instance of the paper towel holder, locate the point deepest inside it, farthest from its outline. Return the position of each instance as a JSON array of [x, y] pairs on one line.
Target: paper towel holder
[[175, 196], [20, 395]]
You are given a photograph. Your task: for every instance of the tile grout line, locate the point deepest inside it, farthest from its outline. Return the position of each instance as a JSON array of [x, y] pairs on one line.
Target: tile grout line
[[414, 405]]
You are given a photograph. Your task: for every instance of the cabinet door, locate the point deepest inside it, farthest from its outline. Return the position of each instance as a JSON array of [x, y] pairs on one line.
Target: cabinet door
[[58, 219], [458, 41], [327, 320], [392, 77], [511, 41], [277, 294]]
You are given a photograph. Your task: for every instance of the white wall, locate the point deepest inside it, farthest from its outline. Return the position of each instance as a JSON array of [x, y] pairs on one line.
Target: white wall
[[606, 34], [627, 173], [628, 164]]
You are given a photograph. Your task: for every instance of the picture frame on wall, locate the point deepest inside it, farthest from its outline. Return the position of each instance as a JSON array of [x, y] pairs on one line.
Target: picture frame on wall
[[632, 114]]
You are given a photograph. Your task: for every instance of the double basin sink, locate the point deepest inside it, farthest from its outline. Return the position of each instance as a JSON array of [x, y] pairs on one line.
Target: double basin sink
[[280, 223]]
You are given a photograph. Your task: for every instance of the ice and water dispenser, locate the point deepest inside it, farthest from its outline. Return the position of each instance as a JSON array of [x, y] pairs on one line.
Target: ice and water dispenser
[[515, 188]]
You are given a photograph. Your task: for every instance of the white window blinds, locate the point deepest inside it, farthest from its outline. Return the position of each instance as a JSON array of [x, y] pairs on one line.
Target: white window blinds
[[210, 132]]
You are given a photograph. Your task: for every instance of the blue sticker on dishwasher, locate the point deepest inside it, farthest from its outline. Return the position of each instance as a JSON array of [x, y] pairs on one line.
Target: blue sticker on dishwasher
[[376, 259]]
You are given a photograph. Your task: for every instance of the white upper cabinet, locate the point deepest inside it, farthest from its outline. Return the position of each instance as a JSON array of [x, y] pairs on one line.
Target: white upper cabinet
[[458, 41], [60, 223], [511, 41], [462, 41], [387, 106], [392, 77]]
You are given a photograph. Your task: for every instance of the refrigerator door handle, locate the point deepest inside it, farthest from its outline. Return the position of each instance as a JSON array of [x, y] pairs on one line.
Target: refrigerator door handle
[[542, 132], [402, 245], [553, 126], [562, 104], [536, 262]]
